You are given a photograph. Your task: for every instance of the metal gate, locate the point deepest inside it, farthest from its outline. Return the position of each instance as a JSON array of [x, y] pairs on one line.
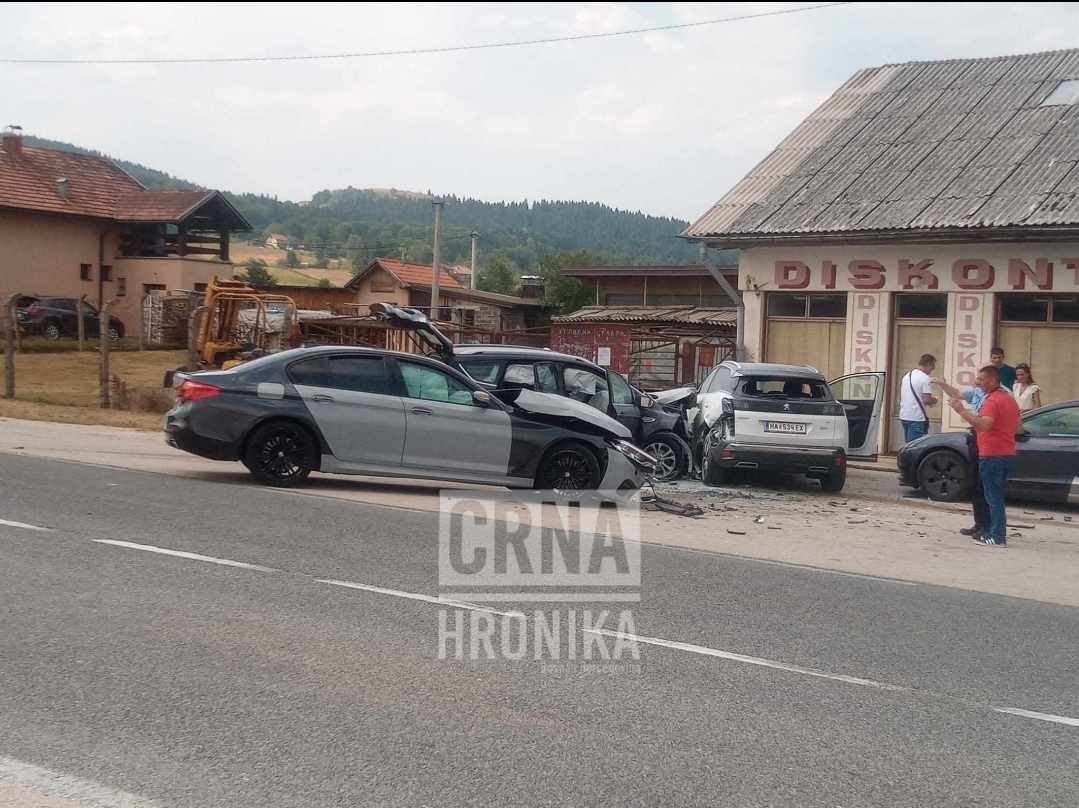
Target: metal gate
[[653, 363], [704, 354]]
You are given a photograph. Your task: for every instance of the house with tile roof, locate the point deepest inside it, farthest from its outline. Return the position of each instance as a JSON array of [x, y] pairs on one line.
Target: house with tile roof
[[926, 207], [74, 224], [387, 280]]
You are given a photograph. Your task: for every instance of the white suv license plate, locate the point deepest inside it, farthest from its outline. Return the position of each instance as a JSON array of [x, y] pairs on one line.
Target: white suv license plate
[[785, 427]]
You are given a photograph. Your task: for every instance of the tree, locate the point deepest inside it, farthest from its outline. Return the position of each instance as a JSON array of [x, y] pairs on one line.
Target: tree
[[559, 292], [291, 260], [497, 277], [324, 283], [257, 275]]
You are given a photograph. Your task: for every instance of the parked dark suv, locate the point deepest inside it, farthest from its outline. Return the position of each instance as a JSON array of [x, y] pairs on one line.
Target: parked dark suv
[[55, 317], [659, 429]]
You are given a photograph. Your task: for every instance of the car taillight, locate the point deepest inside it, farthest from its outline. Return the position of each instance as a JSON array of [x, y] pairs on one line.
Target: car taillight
[[195, 391], [840, 459]]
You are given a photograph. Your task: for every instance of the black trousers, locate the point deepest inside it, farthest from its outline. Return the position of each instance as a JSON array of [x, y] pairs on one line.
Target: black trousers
[[978, 504]]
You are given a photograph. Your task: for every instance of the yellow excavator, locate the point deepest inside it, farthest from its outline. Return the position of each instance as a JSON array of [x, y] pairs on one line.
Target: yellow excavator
[[236, 323]]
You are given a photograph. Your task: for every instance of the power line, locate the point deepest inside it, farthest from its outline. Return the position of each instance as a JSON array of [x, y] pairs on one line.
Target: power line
[[423, 51]]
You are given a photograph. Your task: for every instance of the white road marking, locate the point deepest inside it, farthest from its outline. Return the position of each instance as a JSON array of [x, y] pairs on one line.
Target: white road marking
[[24, 526], [702, 650], [85, 793], [182, 554], [1056, 719], [749, 660], [677, 646], [397, 593]]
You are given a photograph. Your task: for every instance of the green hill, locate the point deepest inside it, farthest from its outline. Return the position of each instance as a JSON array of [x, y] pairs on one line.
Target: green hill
[[362, 223]]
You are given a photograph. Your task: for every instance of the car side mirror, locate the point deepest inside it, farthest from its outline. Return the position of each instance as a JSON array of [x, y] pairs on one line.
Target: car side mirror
[[481, 398], [506, 395], [647, 402], [1022, 437]]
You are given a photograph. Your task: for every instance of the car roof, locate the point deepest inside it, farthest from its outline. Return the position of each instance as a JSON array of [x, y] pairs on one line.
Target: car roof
[[773, 369], [520, 352]]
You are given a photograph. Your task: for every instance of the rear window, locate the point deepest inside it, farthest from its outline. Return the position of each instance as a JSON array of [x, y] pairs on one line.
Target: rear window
[[783, 388]]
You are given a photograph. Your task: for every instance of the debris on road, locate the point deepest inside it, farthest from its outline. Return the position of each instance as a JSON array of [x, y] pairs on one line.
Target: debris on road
[[736, 532]]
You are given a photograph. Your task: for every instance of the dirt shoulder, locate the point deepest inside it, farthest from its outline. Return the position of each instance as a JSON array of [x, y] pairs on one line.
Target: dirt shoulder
[[869, 530]]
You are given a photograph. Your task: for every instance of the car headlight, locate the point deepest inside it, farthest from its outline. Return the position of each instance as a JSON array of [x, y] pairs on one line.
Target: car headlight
[[636, 456]]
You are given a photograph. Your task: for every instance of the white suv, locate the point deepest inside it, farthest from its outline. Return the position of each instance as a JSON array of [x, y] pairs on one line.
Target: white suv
[[754, 415]]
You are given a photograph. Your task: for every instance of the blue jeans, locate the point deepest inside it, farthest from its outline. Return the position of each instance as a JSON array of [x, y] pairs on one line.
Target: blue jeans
[[993, 472], [914, 429]]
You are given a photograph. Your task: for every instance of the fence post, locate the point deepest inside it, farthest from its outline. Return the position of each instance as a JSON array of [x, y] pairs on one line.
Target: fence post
[[104, 346], [11, 331], [80, 317], [142, 324]]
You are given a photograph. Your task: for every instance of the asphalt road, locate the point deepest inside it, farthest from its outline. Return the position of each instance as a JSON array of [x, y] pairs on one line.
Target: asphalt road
[[190, 682]]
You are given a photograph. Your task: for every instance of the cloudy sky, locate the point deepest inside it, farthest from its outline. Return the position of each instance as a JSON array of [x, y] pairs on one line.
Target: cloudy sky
[[660, 122]]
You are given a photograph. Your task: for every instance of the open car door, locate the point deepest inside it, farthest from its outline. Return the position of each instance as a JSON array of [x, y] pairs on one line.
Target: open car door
[[862, 396]]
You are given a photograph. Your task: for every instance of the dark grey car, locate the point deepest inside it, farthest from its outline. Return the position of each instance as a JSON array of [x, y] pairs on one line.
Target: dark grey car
[[1046, 461], [363, 411]]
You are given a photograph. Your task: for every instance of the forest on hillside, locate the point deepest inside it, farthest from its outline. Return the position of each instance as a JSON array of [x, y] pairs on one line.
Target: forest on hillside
[[350, 226]]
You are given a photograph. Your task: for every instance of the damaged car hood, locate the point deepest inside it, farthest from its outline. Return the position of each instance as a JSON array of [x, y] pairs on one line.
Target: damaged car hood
[[549, 404], [674, 396]]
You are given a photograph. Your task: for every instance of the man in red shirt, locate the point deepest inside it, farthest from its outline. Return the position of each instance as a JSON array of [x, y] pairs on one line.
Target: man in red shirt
[[995, 426]]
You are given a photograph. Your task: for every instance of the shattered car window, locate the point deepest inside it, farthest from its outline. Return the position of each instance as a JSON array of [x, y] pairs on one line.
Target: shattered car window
[[785, 388]]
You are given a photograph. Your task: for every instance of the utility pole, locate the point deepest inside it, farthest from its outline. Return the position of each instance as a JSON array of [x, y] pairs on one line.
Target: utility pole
[[472, 277], [11, 334], [735, 298], [436, 259]]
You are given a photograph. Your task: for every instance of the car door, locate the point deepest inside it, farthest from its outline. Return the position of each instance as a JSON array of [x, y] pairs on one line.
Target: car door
[[627, 407], [355, 404], [447, 431], [1047, 456], [862, 397]]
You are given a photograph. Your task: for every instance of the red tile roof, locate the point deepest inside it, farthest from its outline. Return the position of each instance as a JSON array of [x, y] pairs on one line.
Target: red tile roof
[[410, 274], [158, 205], [28, 182], [95, 187]]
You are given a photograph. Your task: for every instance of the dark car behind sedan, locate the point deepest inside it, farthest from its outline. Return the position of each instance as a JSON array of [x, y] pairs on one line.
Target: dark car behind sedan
[[1046, 463]]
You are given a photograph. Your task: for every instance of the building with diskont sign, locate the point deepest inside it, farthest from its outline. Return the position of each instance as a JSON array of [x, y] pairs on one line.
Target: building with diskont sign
[[928, 207]]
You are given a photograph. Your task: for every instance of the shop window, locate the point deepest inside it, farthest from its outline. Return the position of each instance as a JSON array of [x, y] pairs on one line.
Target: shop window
[[1066, 309], [787, 305], [106, 273], [121, 287], [613, 299], [921, 307], [1024, 309], [468, 317], [817, 307], [84, 272], [829, 306]]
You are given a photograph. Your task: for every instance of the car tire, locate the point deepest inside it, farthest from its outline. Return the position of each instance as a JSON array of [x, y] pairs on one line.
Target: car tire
[[568, 468], [672, 457], [833, 483], [712, 474], [52, 331], [280, 453], [944, 476]]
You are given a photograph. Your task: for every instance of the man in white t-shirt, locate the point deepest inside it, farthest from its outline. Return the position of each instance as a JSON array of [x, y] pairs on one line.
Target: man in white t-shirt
[[915, 398]]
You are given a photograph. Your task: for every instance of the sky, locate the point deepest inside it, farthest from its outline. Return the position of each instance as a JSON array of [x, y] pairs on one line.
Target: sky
[[663, 122]]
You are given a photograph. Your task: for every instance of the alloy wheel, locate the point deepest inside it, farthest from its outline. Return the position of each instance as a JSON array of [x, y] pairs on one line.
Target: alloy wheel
[[666, 459]]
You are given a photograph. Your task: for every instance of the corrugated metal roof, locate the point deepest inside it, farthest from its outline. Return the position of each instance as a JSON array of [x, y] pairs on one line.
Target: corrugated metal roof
[[650, 314], [962, 143]]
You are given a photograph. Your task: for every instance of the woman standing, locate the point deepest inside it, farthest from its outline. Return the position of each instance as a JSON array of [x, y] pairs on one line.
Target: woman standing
[[1027, 394]]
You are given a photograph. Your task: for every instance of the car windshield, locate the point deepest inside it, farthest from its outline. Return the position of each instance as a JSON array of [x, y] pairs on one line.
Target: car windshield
[[784, 388]]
